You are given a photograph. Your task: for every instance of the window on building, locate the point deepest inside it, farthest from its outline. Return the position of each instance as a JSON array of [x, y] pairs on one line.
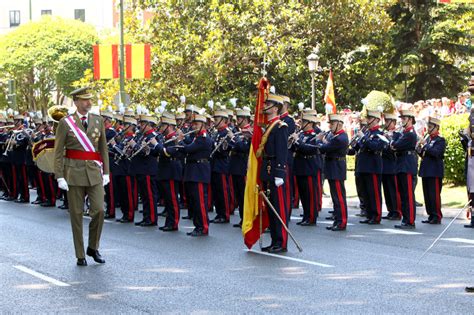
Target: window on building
[[46, 12], [14, 18], [80, 14]]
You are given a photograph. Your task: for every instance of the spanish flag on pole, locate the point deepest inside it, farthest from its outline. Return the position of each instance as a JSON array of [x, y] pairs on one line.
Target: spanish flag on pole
[[138, 64], [251, 228], [329, 97]]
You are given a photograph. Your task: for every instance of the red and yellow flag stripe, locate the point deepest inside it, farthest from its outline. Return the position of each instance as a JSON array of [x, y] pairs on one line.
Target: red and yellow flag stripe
[[138, 63]]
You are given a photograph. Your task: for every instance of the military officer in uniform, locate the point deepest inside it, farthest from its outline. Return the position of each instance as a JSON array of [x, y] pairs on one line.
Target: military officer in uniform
[[334, 145], [404, 147], [274, 154], [431, 151], [81, 168], [289, 185]]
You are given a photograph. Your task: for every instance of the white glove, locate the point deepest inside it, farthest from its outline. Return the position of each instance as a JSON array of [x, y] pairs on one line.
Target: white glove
[[63, 184], [278, 181], [106, 179]]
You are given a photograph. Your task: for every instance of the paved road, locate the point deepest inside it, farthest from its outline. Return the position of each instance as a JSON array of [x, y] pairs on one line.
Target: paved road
[[367, 269]]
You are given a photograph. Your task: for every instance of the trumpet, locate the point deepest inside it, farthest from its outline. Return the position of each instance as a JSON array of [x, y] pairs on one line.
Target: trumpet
[[142, 147], [176, 137], [5, 127], [356, 138], [421, 143], [224, 140], [293, 138]]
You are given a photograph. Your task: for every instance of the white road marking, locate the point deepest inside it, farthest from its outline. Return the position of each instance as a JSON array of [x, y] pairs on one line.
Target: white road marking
[[309, 262], [459, 240], [41, 276], [395, 231]]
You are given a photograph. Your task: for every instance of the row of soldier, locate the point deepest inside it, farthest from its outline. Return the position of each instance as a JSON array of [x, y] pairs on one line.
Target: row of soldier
[[199, 162]]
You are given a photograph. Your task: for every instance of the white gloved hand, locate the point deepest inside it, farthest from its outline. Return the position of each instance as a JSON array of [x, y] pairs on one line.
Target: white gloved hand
[[106, 179], [63, 184], [278, 181]]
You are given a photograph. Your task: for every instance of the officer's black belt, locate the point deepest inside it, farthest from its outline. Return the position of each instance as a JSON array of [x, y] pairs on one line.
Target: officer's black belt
[[331, 158], [165, 160], [198, 161], [372, 152], [307, 157], [404, 153]]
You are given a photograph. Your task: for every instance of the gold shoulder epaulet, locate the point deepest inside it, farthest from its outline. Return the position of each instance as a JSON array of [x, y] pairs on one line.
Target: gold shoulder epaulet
[[282, 124]]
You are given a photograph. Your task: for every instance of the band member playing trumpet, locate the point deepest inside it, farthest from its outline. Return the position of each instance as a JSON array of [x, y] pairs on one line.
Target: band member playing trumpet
[[16, 148], [239, 153], [110, 194], [404, 148], [307, 169], [389, 171], [370, 146], [431, 171], [144, 162], [170, 172], [334, 145], [220, 168]]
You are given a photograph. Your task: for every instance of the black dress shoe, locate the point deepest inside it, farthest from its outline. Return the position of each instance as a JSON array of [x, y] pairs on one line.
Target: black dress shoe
[[266, 248], [418, 204], [330, 218], [63, 207], [426, 221], [362, 214], [338, 228], [196, 233], [329, 227], [364, 221], [109, 216], [469, 226], [148, 224], [124, 220], [435, 222], [48, 204], [220, 220], [405, 226], [469, 289], [168, 229], [299, 223], [238, 225], [95, 255], [307, 223], [139, 223], [395, 218], [37, 202], [81, 262], [187, 217], [10, 199], [373, 222], [22, 200], [277, 249]]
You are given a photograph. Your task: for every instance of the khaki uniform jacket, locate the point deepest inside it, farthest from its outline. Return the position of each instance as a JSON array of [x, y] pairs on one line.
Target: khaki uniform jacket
[[80, 172]]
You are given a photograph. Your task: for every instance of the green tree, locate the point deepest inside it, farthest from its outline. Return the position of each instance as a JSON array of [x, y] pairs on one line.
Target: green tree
[[214, 49], [45, 57], [436, 41]]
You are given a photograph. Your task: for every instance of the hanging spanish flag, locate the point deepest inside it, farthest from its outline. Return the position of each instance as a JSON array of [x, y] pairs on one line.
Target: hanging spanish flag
[[251, 228], [138, 64], [329, 97], [106, 64]]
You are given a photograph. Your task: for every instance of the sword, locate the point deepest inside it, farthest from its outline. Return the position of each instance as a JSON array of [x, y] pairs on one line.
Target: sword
[[281, 221], [442, 233]]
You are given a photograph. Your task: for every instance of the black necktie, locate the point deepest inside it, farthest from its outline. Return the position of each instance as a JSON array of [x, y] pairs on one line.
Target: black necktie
[[84, 122]]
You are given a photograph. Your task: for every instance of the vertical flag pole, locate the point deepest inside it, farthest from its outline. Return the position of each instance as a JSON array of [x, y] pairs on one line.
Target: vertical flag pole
[[122, 58]]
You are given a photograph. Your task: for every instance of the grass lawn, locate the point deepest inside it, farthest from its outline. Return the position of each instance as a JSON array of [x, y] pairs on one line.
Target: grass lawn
[[451, 196]]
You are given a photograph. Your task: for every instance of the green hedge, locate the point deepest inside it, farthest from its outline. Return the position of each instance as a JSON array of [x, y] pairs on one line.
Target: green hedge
[[454, 156]]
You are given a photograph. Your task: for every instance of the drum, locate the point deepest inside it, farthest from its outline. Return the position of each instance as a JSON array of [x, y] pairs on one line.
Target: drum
[[43, 155]]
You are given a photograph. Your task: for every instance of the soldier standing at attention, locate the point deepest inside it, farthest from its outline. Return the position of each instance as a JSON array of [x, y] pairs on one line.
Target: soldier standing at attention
[[273, 171], [81, 167]]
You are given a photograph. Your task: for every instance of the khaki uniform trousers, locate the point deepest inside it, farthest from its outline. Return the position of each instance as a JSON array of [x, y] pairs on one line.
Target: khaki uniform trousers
[[76, 196]]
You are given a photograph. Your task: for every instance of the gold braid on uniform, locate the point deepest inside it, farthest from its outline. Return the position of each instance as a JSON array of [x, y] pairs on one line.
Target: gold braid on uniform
[[265, 137]]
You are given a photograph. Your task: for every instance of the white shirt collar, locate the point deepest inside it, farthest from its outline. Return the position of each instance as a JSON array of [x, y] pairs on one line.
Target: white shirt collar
[[86, 115]]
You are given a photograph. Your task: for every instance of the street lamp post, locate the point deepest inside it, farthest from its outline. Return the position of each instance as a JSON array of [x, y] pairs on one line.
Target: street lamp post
[[313, 61], [406, 70]]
